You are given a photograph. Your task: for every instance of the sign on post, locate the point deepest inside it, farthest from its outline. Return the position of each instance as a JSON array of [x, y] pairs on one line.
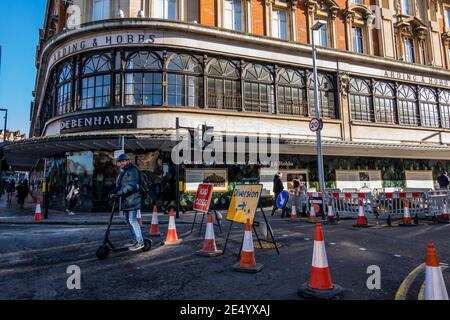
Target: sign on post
[[244, 203], [203, 197]]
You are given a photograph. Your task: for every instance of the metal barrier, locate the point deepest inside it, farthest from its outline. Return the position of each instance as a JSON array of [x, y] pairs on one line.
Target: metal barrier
[[346, 204], [392, 204], [437, 202]]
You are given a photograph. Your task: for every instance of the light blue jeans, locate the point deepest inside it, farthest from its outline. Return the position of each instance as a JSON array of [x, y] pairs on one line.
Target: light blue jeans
[[135, 228]]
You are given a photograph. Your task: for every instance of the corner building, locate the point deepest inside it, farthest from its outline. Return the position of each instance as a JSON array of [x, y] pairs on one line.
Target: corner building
[[243, 67]]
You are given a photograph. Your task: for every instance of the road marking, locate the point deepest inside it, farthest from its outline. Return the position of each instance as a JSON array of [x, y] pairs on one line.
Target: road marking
[[397, 255], [332, 243], [404, 287], [363, 249], [307, 239]]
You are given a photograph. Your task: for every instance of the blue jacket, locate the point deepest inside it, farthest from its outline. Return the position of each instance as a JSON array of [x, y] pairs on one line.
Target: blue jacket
[[127, 187]]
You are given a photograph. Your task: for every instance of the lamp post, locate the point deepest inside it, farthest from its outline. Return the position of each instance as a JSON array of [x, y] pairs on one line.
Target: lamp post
[[316, 27], [6, 120]]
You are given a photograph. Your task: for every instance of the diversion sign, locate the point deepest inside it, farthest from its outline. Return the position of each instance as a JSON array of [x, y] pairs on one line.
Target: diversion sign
[[244, 203]]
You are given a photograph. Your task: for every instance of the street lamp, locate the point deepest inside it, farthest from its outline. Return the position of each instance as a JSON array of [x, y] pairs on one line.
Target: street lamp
[[6, 120], [316, 27]]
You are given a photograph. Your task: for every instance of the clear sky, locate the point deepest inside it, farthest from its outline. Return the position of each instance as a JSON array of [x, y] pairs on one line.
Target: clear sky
[[19, 34]]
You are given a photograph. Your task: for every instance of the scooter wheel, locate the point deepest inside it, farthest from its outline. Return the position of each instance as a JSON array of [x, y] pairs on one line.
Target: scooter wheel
[[147, 245], [103, 252]]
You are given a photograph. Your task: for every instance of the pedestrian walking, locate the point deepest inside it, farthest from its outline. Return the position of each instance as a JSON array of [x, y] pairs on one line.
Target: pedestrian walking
[[73, 193], [127, 189], [10, 189], [22, 192], [443, 180], [298, 196], [277, 189]]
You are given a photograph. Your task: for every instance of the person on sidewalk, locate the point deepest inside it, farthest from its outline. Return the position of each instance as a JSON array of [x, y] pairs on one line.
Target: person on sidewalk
[[10, 189], [277, 188], [22, 192], [443, 180], [73, 192], [127, 189]]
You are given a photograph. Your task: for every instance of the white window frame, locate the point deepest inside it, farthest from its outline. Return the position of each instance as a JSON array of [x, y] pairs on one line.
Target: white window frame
[[408, 50], [165, 9], [407, 10], [277, 23], [355, 42], [230, 15], [105, 7]]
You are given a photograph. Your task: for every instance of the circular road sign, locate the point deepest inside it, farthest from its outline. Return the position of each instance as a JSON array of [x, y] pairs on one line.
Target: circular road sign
[[315, 124]]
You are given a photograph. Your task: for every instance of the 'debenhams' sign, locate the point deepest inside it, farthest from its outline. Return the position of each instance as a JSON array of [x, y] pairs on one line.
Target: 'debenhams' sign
[[99, 121]]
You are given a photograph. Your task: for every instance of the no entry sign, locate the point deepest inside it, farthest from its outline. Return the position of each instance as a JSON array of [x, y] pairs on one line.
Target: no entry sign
[[203, 197]]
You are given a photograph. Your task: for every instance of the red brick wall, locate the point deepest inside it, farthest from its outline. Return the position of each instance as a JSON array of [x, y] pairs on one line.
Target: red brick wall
[[258, 17], [302, 23], [207, 12]]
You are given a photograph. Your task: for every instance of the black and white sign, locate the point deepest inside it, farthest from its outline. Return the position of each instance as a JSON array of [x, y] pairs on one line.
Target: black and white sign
[[99, 121], [315, 124]]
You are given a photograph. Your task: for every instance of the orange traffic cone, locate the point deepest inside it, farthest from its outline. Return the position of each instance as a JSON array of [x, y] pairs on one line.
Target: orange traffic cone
[[294, 217], [154, 228], [444, 218], [172, 237], [320, 284], [406, 216], [209, 245], [248, 261], [312, 215], [434, 281], [330, 215], [38, 213], [361, 221], [139, 217]]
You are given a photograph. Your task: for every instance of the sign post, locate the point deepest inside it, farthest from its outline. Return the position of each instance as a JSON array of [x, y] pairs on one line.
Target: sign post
[[202, 204]]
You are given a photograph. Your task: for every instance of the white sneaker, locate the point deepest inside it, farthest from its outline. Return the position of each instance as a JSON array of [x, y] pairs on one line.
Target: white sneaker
[[67, 211], [136, 247], [130, 244], [71, 214]]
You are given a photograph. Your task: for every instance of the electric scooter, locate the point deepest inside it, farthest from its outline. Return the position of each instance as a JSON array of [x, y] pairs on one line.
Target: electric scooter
[[105, 249]]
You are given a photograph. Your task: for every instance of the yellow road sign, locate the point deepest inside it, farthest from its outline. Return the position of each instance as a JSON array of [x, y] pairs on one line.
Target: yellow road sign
[[244, 203]]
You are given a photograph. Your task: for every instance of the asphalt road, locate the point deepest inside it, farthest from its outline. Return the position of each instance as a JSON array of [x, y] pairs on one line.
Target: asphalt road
[[34, 261]]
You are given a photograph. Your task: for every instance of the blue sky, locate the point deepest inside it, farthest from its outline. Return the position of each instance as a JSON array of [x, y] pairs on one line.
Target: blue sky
[[19, 34]]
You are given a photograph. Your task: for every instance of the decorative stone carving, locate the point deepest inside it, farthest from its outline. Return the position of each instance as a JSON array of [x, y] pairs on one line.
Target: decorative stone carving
[[344, 80]]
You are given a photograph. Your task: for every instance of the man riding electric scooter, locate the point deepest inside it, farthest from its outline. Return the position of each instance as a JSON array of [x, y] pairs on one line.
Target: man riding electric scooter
[[128, 191]]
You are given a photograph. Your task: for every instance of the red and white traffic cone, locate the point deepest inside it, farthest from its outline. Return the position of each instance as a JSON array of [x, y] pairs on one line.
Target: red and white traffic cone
[[248, 261], [406, 216], [319, 284], [434, 281], [361, 221], [444, 217], [154, 228], [38, 212], [139, 217], [330, 214], [209, 244], [312, 215], [172, 237], [294, 217]]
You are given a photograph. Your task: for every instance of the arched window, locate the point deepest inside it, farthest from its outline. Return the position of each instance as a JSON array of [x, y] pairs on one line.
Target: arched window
[[292, 93], [143, 79], [360, 102], [407, 105], [258, 89], [444, 103], [384, 97], [96, 82], [184, 81], [326, 97], [429, 114], [64, 89], [224, 85]]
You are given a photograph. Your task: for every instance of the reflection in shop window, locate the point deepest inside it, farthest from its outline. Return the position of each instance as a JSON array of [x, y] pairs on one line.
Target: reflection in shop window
[[359, 98], [384, 98], [407, 105], [64, 89], [96, 82], [292, 93], [224, 85], [326, 97], [258, 89], [429, 114]]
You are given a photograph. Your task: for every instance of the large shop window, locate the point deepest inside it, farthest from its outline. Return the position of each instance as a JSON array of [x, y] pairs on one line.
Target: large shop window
[[429, 113], [100, 9], [96, 82], [327, 105], [233, 14], [407, 105], [292, 93], [184, 81], [64, 89], [165, 9], [258, 89], [444, 104], [224, 85], [143, 79], [384, 98], [360, 102]]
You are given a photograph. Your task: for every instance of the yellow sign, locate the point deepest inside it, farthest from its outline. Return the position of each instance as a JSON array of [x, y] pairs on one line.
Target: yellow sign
[[44, 187], [244, 203]]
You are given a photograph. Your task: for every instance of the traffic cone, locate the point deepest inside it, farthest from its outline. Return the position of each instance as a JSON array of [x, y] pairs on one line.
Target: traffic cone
[[320, 284], [38, 212], [139, 217], [209, 245], [154, 228], [172, 237], [361, 221], [444, 218], [312, 215], [294, 217], [434, 281], [248, 261], [406, 216], [330, 215]]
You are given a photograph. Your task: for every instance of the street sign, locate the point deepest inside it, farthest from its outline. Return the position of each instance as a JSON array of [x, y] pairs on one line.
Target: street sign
[[315, 124], [244, 203], [203, 197], [282, 199]]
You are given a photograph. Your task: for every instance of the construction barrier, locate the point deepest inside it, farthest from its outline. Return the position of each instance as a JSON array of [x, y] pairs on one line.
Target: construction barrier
[[347, 204]]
